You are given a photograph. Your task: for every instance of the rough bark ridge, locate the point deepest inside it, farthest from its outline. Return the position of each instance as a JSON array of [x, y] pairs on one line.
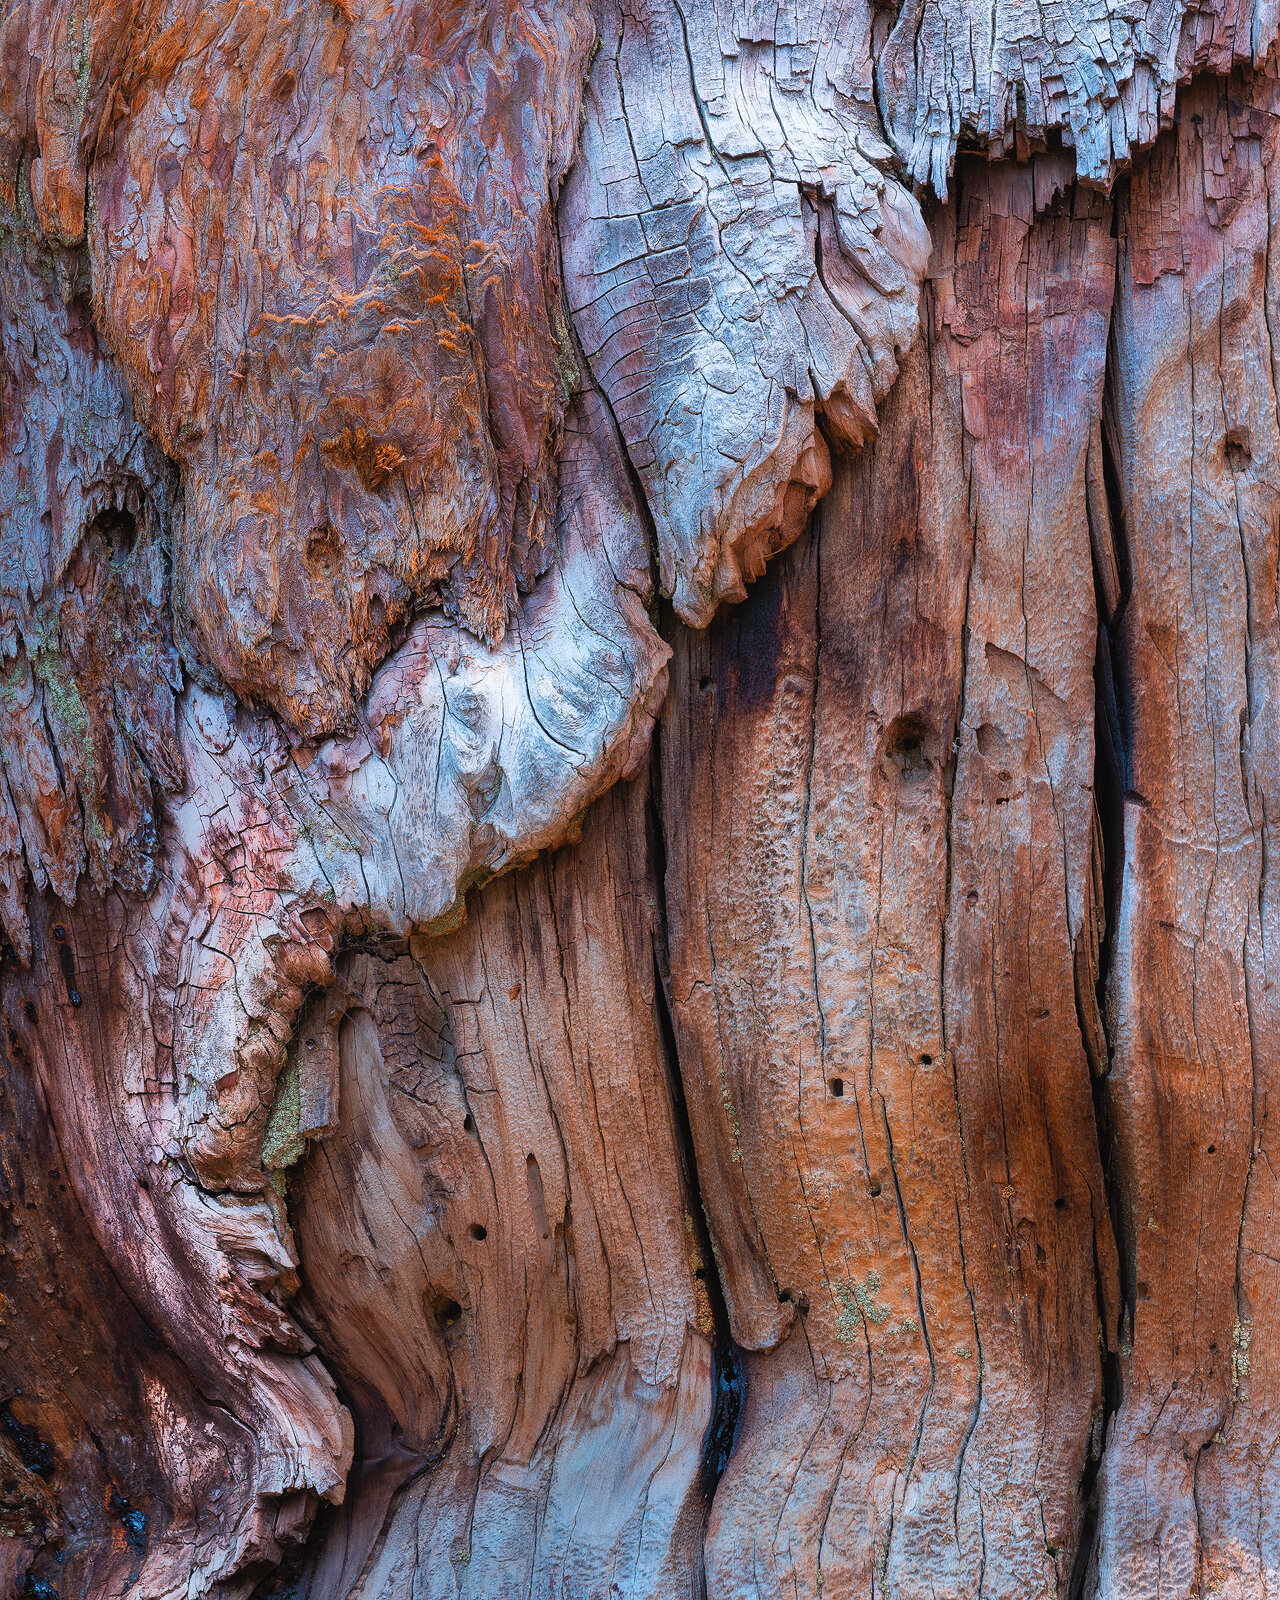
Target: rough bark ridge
[[323, 250], [720, 1206], [88, 728]]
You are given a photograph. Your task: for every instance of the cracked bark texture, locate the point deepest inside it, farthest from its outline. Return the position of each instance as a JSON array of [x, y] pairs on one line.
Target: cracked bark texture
[[532, 1067]]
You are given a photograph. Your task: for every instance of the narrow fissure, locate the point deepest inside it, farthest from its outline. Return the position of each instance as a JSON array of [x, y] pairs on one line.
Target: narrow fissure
[[727, 1374], [1112, 584], [1111, 785]]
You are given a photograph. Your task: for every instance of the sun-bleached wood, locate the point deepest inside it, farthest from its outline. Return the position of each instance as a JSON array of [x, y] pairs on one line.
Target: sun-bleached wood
[[738, 264]]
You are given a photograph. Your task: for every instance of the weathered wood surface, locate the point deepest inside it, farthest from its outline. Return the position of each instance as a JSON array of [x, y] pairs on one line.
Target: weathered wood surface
[[737, 265], [879, 811], [499, 1247], [840, 1165], [1189, 1488], [163, 1040]]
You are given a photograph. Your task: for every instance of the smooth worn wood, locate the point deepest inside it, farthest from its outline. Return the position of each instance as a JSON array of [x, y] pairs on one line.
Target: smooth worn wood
[[500, 1250]]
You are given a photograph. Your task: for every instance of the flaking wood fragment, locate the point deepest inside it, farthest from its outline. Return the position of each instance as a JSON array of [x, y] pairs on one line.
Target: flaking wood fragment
[[739, 264], [1004, 78]]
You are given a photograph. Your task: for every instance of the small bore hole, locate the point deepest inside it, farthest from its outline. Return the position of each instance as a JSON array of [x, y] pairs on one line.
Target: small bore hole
[[469, 1123], [75, 997], [904, 748], [1212, 1149], [1143, 1291], [785, 1296], [59, 932], [700, 1273], [836, 1085], [1236, 449], [926, 1060], [972, 897], [479, 1232], [448, 1313], [30, 1013], [876, 1190], [1060, 1204], [706, 683]]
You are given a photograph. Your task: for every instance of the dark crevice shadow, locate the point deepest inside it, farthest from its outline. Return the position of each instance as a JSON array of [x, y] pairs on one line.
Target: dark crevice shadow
[[1112, 721], [727, 1372]]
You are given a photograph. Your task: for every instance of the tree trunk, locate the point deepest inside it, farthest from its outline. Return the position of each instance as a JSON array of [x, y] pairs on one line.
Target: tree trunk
[[640, 720]]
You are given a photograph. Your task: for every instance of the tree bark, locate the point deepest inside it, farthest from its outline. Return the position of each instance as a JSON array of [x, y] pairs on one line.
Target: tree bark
[[639, 660]]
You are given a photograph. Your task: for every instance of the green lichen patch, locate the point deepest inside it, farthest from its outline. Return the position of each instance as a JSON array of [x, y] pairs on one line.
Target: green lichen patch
[[730, 1111], [565, 355], [282, 1143], [1241, 1367], [857, 1302]]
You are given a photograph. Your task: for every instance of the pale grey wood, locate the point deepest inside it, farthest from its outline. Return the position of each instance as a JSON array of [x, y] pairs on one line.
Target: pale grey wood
[[738, 262]]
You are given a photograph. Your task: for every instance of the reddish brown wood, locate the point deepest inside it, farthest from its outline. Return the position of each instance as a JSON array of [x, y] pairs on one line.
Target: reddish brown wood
[[1188, 1477], [879, 815]]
